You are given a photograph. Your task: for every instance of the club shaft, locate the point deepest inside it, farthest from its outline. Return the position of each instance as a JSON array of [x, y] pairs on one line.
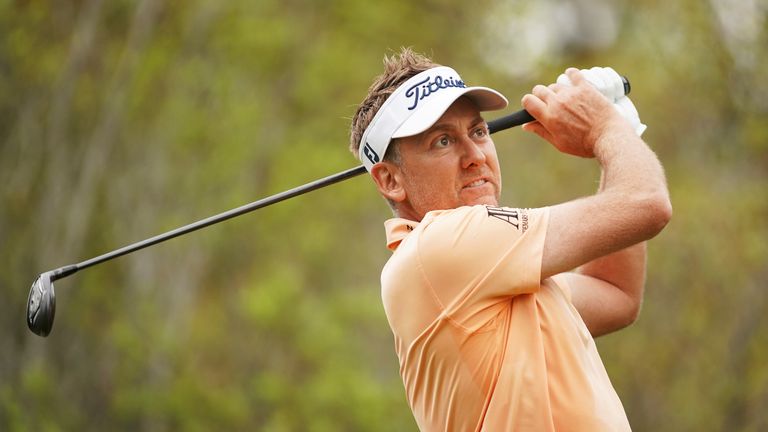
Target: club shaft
[[514, 119], [317, 184]]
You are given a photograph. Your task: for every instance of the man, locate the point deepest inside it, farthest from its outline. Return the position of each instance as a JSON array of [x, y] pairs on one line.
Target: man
[[493, 326]]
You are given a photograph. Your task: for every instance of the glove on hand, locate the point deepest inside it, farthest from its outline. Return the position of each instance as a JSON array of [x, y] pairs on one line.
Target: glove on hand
[[608, 82], [627, 109]]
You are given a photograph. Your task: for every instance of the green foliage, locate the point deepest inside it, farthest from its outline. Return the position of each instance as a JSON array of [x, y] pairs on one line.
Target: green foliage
[[120, 120]]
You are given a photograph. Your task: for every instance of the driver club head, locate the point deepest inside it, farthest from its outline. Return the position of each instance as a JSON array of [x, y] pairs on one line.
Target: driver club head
[[41, 305]]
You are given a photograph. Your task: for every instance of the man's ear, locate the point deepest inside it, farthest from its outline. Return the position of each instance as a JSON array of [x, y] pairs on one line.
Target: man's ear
[[389, 181]]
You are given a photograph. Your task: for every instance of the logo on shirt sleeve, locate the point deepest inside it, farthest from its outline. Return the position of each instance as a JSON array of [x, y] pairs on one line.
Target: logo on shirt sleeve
[[514, 217]]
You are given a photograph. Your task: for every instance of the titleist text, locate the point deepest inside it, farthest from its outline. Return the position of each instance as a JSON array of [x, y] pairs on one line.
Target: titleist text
[[424, 88]]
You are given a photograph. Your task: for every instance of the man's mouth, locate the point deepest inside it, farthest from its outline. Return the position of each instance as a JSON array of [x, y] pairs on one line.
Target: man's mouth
[[476, 183]]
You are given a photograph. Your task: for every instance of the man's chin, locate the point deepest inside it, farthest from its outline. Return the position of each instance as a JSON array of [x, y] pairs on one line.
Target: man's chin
[[485, 194], [483, 200]]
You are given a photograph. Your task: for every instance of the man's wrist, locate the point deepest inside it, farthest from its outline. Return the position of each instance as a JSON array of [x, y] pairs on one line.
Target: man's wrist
[[608, 140]]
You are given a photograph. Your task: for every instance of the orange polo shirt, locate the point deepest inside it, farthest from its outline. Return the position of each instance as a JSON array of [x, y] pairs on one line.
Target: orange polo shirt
[[483, 343]]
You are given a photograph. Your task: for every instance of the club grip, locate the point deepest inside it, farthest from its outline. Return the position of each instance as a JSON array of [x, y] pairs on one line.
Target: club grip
[[512, 120], [521, 117]]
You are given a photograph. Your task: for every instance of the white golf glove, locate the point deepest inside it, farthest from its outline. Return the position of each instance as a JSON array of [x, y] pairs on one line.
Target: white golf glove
[[627, 109], [608, 82]]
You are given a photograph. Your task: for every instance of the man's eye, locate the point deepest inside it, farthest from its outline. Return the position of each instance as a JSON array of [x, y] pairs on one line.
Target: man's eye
[[443, 141], [481, 132]]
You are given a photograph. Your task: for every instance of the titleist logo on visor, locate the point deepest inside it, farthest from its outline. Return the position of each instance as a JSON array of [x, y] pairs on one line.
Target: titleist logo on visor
[[424, 88]]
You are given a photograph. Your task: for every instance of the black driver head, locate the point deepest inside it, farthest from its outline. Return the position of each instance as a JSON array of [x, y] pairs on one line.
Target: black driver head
[[41, 305]]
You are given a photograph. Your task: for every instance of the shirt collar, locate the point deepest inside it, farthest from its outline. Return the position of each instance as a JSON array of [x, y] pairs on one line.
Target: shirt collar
[[397, 229]]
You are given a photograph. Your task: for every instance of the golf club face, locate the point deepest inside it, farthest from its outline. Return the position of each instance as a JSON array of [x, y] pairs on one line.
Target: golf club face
[[41, 305]]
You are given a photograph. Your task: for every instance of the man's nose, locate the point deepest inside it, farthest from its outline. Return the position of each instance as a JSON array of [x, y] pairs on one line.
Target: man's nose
[[473, 153]]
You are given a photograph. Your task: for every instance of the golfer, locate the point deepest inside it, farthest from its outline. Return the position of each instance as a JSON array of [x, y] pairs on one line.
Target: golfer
[[494, 308]]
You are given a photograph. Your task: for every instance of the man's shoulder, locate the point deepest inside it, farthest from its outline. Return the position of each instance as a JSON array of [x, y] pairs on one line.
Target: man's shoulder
[[516, 218], [457, 213], [467, 225]]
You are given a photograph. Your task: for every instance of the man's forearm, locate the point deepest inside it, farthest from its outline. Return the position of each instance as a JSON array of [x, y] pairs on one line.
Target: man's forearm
[[633, 173], [625, 270]]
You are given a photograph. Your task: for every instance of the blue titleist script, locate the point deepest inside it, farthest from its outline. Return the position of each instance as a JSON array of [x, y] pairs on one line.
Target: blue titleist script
[[424, 88]]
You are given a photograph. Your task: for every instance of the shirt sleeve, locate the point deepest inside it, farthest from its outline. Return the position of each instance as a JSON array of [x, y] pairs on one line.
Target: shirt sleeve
[[475, 258]]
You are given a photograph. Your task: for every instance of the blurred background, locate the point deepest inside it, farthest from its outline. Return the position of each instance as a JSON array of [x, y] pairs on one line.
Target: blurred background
[[123, 119]]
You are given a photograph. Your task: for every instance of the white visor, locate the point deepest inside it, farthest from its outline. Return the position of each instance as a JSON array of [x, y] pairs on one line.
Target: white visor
[[416, 105]]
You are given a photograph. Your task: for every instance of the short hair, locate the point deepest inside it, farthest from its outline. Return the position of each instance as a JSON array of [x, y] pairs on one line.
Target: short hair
[[397, 69]]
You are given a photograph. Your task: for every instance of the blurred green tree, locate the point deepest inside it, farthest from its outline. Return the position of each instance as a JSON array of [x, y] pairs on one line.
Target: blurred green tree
[[122, 119]]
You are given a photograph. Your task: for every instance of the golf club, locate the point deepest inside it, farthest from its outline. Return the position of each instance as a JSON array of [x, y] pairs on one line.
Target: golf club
[[41, 304]]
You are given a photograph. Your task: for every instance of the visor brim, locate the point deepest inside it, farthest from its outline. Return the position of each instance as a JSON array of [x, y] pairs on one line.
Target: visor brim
[[486, 99]]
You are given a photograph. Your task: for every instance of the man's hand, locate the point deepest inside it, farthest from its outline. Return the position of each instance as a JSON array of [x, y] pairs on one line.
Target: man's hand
[[571, 117], [612, 86]]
